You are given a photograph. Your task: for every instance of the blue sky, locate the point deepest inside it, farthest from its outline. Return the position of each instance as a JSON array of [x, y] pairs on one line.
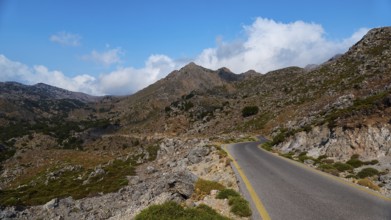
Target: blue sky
[[119, 47]]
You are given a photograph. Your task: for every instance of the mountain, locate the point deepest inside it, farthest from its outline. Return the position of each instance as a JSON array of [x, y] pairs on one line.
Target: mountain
[[14, 90], [146, 107], [340, 110]]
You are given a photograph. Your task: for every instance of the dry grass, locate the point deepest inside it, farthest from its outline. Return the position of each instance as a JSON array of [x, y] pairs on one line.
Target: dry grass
[[368, 183], [203, 188]]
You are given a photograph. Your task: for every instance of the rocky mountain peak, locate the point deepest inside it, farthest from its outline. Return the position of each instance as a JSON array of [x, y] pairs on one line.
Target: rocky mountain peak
[[225, 69], [372, 44], [227, 75], [382, 33], [250, 74], [192, 67]]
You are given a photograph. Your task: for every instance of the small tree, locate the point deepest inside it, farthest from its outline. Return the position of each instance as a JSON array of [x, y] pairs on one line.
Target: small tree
[[250, 110]]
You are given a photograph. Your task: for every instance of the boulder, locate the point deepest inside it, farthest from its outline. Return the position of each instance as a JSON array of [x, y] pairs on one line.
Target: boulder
[[386, 180], [150, 169], [8, 214], [197, 154], [51, 204], [182, 183]]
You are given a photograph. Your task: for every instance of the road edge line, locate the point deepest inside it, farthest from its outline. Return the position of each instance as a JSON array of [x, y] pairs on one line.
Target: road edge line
[[335, 178], [257, 201]]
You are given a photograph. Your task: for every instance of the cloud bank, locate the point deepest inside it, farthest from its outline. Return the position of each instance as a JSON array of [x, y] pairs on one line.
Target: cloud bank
[[119, 82], [270, 45], [66, 39], [266, 45]]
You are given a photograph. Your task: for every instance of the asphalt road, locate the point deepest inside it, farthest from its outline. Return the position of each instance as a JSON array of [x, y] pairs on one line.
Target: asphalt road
[[289, 191]]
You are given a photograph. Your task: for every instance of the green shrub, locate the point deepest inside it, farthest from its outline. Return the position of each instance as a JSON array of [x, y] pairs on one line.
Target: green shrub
[[227, 193], [321, 157], [303, 156], [355, 156], [351, 176], [328, 168], [171, 210], [354, 162], [250, 110], [280, 137], [239, 206], [367, 172], [328, 161], [267, 146], [203, 188], [220, 151], [152, 151], [372, 162], [188, 105], [6, 154], [342, 167]]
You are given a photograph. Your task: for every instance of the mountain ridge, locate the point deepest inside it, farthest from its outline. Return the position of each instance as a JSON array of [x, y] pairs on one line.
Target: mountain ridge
[[43, 91], [339, 110]]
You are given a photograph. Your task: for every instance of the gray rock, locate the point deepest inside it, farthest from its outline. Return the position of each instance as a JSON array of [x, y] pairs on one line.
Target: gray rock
[[133, 180], [150, 169], [190, 203], [196, 154], [183, 162], [51, 204], [7, 214], [140, 160], [171, 164], [136, 195], [341, 103], [386, 180], [66, 202], [183, 183], [309, 162], [80, 205], [97, 172]]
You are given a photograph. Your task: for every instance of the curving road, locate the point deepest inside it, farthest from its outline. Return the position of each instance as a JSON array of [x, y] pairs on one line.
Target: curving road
[[288, 190]]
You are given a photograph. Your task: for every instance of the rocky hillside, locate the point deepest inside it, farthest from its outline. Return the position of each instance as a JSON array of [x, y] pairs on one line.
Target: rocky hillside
[[144, 111], [339, 110]]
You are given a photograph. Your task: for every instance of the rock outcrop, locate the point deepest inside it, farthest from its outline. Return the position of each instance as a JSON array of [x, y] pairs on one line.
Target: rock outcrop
[[370, 142]]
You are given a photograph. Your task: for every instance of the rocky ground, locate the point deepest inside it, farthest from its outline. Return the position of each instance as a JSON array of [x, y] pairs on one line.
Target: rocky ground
[[370, 143], [171, 177]]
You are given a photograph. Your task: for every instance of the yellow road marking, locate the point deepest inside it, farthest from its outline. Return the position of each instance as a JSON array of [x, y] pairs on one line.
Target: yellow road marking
[[361, 188], [257, 201]]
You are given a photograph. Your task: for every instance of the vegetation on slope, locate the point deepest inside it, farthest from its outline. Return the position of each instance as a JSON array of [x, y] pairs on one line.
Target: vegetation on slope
[[171, 210], [75, 181]]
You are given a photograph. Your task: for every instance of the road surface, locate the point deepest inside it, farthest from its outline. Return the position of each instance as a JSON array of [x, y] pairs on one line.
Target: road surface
[[290, 191]]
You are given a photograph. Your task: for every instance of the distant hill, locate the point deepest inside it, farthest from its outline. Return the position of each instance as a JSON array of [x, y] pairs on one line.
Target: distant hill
[[14, 90]]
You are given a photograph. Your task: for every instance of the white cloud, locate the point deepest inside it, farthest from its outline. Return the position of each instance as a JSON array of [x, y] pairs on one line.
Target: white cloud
[[66, 39], [119, 82], [129, 80], [269, 45], [15, 71], [106, 58]]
